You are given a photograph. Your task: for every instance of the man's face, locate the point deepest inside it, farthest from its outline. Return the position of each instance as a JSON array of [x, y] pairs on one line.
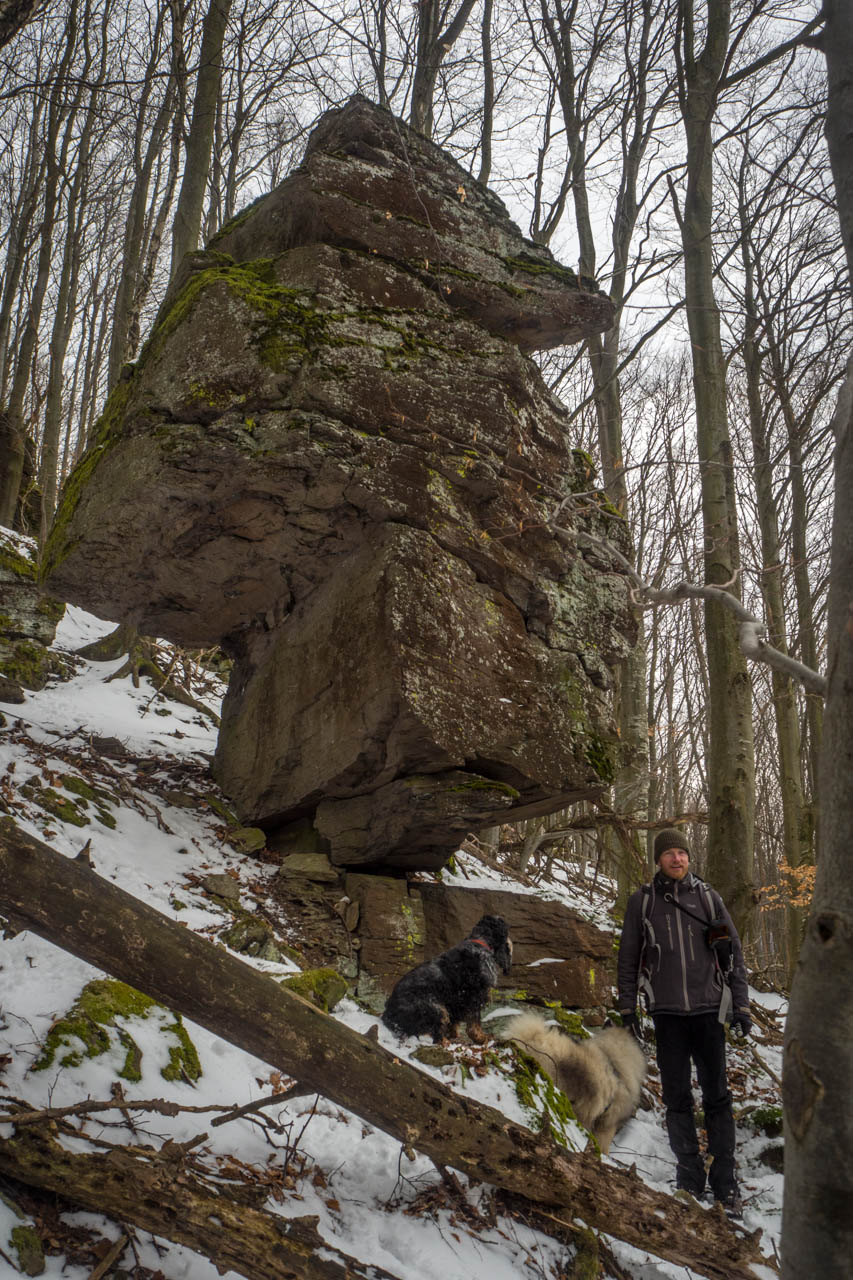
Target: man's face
[[674, 863]]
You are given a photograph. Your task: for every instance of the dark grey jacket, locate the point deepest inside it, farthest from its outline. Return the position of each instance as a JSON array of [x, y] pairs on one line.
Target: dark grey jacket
[[671, 951]]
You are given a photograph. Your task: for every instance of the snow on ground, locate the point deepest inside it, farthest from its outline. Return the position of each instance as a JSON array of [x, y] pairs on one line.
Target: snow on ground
[[362, 1188]]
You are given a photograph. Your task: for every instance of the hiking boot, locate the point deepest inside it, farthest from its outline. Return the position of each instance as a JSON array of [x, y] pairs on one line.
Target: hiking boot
[[732, 1204], [690, 1176]]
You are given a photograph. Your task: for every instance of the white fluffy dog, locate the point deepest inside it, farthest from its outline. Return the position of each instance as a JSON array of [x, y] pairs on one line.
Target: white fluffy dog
[[602, 1077]]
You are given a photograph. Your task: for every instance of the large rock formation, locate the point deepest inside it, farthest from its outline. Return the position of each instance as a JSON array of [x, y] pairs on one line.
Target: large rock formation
[[28, 620], [334, 458]]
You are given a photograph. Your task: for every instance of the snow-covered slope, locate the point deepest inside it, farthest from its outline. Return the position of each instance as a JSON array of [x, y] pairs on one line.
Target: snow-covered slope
[[154, 832]]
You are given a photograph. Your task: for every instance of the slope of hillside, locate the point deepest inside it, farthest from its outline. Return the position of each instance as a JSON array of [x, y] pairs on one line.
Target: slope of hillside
[[99, 761]]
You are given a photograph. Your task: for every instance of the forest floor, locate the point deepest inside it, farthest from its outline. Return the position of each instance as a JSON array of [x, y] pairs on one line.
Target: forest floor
[[100, 761]]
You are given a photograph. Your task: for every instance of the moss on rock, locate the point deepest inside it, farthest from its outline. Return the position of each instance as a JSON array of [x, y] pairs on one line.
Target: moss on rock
[[323, 987], [26, 1243]]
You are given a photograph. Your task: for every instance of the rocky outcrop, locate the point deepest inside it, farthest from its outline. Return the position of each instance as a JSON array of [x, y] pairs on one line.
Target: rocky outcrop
[[335, 458], [28, 620], [557, 956]]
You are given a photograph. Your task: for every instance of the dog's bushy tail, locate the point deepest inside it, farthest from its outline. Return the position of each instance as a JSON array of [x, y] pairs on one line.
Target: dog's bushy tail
[[603, 1074]]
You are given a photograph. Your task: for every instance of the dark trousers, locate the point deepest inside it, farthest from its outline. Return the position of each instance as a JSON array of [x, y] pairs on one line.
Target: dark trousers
[[697, 1038]]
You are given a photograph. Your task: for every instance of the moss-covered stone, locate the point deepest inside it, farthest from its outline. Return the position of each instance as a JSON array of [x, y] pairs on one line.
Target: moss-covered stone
[[184, 1062], [323, 987], [58, 806], [30, 664], [766, 1120], [26, 1243], [90, 1029]]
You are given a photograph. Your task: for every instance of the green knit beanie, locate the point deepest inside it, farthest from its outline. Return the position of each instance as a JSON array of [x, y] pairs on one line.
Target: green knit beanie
[[670, 838]]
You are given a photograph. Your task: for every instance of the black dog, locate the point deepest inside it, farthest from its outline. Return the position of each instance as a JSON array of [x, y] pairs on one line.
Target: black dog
[[432, 998]]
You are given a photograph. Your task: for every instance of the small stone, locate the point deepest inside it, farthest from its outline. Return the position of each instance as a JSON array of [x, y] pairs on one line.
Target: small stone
[[247, 839], [310, 866], [222, 887], [11, 691], [432, 1055]]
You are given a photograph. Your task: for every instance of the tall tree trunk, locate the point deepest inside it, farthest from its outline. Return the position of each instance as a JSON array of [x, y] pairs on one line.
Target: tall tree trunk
[[796, 827], [66, 299], [187, 224], [146, 149], [731, 767], [817, 1226], [13, 455]]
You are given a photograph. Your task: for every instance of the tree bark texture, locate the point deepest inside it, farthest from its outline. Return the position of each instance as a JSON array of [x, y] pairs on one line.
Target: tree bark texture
[[64, 901], [817, 1225], [731, 764], [154, 1191], [187, 226]]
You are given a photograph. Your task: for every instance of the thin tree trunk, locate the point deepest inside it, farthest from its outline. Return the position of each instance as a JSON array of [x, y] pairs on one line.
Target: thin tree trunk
[[433, 45], [488, 94], [188, 215], [63, 900], [796, 830], [731, 766], [12, 464], [817, 1226]]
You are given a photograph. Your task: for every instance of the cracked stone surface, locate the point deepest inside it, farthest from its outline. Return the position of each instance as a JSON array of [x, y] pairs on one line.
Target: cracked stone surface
[[335, 458]]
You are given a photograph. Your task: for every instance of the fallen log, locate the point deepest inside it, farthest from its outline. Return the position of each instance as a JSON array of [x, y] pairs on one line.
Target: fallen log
[[156, 1192], [65, 901]]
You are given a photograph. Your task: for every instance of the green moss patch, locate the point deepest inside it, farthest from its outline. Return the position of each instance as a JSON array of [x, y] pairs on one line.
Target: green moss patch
[[30, 663], [90, 1029], [26, 1243], [543, 1102], [323, 987]]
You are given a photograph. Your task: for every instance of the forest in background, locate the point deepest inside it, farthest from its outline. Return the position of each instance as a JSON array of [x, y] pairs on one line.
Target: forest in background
[[131, 133], [676, 152]]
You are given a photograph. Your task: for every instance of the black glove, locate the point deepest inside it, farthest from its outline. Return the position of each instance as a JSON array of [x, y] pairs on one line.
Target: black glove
[[631, 1023], [741, 1022]]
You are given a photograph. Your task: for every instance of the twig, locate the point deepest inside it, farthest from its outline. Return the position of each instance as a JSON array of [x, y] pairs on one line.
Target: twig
[[158, 1105], [769, 1070], [110, 1258], [296, 1090]]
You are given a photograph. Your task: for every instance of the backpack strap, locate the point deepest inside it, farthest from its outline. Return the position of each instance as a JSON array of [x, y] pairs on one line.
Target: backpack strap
[[650, 945], [726, 1001]]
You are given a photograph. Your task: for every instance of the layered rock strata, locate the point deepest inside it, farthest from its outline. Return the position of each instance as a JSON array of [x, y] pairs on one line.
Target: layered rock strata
[[335, 459]]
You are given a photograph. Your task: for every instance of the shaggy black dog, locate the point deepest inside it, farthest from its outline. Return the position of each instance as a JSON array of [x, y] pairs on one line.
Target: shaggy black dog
[[432, 998]]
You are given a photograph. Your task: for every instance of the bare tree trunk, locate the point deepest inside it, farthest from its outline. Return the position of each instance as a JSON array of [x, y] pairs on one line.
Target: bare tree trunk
[[143, 164], [796, 830], [187, 224], [817, 1227], [731, 767], [63, 900], [432, 48], [488, 94], [12, 464], [66, 299]]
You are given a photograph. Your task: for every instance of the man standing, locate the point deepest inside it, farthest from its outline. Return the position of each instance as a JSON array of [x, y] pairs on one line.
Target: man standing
[[692, 977]]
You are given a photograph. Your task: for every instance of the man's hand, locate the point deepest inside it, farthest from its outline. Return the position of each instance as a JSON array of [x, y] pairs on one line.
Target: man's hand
[[741, 1022], [631, 1023]]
